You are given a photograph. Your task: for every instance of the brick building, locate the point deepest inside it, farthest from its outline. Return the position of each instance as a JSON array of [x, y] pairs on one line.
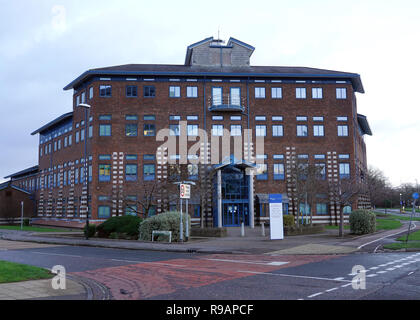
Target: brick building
[[262, 122]]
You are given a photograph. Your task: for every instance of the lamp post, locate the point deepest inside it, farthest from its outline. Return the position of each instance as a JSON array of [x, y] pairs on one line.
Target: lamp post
[[87, 109], [400, 203]]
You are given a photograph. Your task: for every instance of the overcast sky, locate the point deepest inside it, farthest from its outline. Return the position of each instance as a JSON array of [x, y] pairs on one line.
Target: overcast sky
[[44, 45]]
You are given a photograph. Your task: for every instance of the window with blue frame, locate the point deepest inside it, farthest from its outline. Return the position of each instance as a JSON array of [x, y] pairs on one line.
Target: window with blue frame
[[131, 210], [104, 130], [131, 172], [193, 171], [105, 91], [192, 92], [76, 176], [131, 91], [278, 171], [278, 130], [321, 170], [347, 210], [262, 171], [104, 172], [321, 208], [149, 91], [174, 129], [216, 94], [174, 91], [149, 130], [148, 172], [104, 212], [344, 171], [131, 130], [197, 211]]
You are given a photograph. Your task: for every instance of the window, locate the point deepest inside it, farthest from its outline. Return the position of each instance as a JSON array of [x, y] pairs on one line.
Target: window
[[192, 118], [104, 157], [276, 93], [343, 156], [259, 93], [341, 118], [59, 144], [217, 130], [321, 208], [260, 118], [105, 117], [90, 133], [260, 131], [321, 172], [104, 172], [347, 210], [82, 135], [149, 118], [174, 91], [174, 129], [105, 91], [70, 140], [278, 156], [131, 157], [302, 130], [149, 130], [149, 91], [216, 94], [76, 176], [104, 212], [217, 118], [149, 172], [131, 91], [318, 131], [76, 138], [174, 118], [278, 131], [235, 130], [316, 93], [301, 118], [344, 170], [192, 130], [343, 131], [104, 130], [192, 92], [83, 97], [131, 172], [235, 118], [278, 171], [77, 100], [149, 157], [318, 118], [341, 93], [277, 118], [262, 173], [300, 93], [91, 93], [192, 171], [131, 130]]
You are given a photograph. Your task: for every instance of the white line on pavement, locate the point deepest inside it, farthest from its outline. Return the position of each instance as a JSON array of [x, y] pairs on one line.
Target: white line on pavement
[[273, 263], [365, 244], [330, 290], [315, 294], [57, 254], [149, 262], [292, 276]]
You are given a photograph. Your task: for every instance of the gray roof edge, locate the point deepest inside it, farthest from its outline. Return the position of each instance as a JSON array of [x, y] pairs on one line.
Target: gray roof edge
[[53, 122], [28, 170]]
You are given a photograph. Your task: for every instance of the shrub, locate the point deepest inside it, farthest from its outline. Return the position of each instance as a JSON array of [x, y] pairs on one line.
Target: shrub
[[125, 226], [288, 220], [90, 231], [26, 222], [168, 221], [362, 222]]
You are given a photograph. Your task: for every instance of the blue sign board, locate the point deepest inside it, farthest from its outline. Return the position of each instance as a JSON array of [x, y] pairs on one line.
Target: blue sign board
[[275, 198], [415, 195]]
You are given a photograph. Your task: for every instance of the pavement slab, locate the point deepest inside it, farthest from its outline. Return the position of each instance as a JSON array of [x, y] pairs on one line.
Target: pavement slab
[[315, 249]]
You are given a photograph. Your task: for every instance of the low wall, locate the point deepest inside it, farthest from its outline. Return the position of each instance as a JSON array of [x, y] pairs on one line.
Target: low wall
[[208, 232], [294, 231]]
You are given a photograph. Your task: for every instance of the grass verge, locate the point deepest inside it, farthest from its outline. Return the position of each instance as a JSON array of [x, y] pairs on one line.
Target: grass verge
[[403, 245], [33, 229], [15, 272]]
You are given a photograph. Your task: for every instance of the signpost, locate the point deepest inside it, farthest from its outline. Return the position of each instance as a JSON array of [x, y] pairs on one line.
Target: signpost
[[415, 197], [276, 217], [184, 193]]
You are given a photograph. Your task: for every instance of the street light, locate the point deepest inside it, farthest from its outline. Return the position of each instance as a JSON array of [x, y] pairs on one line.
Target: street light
[[400, 203], [87, 109]]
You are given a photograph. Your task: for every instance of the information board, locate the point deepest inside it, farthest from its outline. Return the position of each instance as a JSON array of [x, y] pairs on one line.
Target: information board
[[276, 217]]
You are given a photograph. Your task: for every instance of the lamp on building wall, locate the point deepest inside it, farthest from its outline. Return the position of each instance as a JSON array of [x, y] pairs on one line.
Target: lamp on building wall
[[87, 109]]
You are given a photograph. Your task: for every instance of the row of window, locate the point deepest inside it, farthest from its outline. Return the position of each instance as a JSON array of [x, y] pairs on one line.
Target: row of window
[[149, 91], [131, 130], [55, 146]]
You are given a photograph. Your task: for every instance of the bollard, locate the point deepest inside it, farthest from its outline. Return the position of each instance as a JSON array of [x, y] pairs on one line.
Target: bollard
[[242, 230], [262, 229]]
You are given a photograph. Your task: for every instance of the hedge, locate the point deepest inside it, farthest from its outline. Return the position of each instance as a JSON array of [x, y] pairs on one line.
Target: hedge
[[288, 220], [120, 227], [168, 221], [362, 222]]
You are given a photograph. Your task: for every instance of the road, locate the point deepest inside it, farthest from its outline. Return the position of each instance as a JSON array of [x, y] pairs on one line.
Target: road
[[140, 275]]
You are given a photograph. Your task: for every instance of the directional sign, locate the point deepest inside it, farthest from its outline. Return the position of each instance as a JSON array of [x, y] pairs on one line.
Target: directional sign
[[276, 217], [415, 195], [185, 191]]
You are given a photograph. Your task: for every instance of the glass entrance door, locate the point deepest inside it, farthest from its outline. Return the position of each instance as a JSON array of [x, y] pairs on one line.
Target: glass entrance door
[[234, 214]]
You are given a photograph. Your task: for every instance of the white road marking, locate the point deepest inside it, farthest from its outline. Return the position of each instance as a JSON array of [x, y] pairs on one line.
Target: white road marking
[[372, 275], [346, 285], [408, 274], [389, 269], [340, 278], [394, 234], [57, 254], [330, 290], [373, 268], [272, 263], [291, 276], [313, 295], [381, 272]]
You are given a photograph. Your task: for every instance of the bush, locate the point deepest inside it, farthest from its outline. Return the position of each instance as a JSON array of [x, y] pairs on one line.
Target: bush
[[288, 220], [90, 231], [26, 222], [362, 222], [120, 227], [168, 221]]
